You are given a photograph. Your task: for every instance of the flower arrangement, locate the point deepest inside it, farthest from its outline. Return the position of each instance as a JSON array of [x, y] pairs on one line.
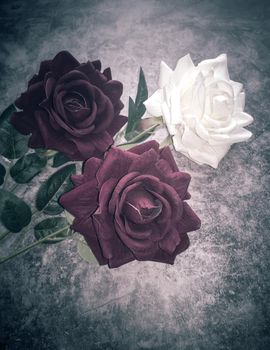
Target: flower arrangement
[[128, 201]]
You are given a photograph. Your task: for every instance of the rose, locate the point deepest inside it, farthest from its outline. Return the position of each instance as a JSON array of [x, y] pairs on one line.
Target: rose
[[202, 107], [131, 205], [70, 107]]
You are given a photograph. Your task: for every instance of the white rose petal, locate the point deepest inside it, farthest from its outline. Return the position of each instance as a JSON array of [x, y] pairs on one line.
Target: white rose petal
[[153, 104], [164, 75], [202, 108]]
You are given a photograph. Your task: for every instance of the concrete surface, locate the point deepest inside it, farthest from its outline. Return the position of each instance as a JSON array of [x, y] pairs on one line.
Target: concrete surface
[[217, 294]]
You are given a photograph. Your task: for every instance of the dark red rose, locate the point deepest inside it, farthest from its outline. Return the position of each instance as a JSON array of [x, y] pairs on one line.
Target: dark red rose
[[131, 205], [70, 107]]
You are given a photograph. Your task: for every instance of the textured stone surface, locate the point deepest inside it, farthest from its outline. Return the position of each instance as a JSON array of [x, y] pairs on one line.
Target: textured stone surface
[[216, 296]]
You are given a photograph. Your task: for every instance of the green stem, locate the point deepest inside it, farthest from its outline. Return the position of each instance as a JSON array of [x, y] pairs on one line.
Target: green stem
[[32, 245], [4, 235], [136, 138], [7, 176], [14, 187]]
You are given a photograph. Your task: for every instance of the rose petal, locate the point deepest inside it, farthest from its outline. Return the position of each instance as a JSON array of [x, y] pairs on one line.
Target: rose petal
[[166, 154], [118, 122], [183, 65], [82, 200], [108, 73], [144, 161], [105, 194], [219, 64], [180, 182], [189, 221], [23, 123], [239, 103], [153, 104], [97, 64], [52, 139], [63, 63], [237, 87], [109, 168], [170, 241], [90, 168], [243, 119], [117, 252], [113, 89], [86, 227], [123, 182], [102, 141], [164, 75], [31, 99], [199, 150], [45, 66], [238, 134]]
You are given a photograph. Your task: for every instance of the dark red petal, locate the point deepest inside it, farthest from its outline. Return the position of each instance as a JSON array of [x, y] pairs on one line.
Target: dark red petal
[[90, 168], [97, 64], [146, 146], [51, 138], [137, 246], [77, 180], [180, 182], [189, 221], [87, 229], [31, 99], [165, 153], [49, 85], [141, 232], [144, 161], [22, 122], [108, 74], [123, 182], [45, 66], [82, 200], [63, 63], [116, 165], [117, 123], [163, 257], [113, 248], [170, 241], [113, 89], [105, 194], [94, 76], [102, 141]]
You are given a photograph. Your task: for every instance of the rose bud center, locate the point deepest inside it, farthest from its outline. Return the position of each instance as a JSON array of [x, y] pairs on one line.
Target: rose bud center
[[74, 101], [141, 207]]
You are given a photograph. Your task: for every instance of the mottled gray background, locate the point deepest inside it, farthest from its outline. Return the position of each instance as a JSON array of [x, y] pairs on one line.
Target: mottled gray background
[[217, 294]]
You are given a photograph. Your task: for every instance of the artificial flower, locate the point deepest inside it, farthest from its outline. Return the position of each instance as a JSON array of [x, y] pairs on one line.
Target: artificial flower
[[132, 205], [202, 108], [70, 107]]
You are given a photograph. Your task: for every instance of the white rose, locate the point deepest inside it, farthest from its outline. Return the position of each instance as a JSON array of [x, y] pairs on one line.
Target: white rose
[[202, 108]]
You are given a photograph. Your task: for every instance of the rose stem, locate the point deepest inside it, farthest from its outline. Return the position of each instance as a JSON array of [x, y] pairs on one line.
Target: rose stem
[[25, 249], [4, 235]]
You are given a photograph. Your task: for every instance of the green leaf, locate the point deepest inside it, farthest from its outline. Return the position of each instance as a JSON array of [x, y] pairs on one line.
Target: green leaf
[[27, 167], [142, 94], [14, 212], [12, 144], [136, 109], [59, 159], [84, 251], [2, 174], [50, 225], [132, 119], [50, 191]]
